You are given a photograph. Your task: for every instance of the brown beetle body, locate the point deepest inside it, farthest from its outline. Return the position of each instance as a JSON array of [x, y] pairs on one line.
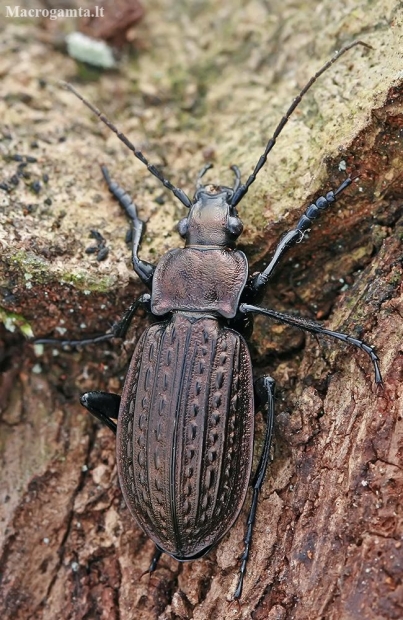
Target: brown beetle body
[[185, 425], [185, 418], [185, 433]]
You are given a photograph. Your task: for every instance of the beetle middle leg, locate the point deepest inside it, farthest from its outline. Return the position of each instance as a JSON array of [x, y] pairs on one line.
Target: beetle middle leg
[[264, 394], [316, 328], [118, 330]]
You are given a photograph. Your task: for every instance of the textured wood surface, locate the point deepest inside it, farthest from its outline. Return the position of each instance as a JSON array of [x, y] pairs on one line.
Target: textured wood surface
[[207, 81]]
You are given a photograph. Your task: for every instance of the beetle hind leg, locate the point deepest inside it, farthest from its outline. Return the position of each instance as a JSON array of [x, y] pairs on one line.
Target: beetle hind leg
[[157, 554], [154, 562], [264, 392], [104, 406]]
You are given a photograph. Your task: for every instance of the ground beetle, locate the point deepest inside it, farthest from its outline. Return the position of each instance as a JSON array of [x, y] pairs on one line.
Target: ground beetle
[[185, 419]]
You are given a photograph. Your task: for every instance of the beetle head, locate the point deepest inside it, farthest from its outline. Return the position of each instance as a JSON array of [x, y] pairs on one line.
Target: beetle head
[[211, 220]]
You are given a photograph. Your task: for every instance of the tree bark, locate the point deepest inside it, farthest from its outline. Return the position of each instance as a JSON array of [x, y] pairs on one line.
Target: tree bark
[[209, 81]]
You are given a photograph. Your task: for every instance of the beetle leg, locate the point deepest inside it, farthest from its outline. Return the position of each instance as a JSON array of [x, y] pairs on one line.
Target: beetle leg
[[144, 270], [75, 343], [157, 554], [118, 330], [316, 328], [264, 392], [121, 328], [103, 406], [295, 236]]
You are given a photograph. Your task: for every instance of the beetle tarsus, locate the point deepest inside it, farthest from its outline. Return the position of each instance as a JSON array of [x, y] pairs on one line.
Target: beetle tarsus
[[76, 343], [118, 330]]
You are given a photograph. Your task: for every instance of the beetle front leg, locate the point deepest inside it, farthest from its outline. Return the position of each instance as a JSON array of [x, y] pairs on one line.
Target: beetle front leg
[[104, 406], [144, 270], [264, 393], [293, 237]]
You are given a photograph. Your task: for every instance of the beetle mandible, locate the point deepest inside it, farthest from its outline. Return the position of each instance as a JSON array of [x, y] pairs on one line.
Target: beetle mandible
[[185, 419]]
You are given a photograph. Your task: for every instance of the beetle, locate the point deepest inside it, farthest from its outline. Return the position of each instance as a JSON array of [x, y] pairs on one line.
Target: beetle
[[185, 420]]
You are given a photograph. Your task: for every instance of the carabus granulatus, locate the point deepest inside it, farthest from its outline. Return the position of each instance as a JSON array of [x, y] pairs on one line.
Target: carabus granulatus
[[185, 419]]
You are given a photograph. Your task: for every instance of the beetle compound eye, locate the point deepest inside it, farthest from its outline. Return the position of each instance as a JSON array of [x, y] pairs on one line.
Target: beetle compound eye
[[183, 226], [235, 226]]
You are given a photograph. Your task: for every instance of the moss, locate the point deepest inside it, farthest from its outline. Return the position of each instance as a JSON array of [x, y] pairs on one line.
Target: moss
[[81, 280], [13, 321], [395, 279], [30, 263], [31, 267]]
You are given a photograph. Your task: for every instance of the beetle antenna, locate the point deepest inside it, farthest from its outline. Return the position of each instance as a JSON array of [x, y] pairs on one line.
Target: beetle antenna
[[240, 193], [175, 190]]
